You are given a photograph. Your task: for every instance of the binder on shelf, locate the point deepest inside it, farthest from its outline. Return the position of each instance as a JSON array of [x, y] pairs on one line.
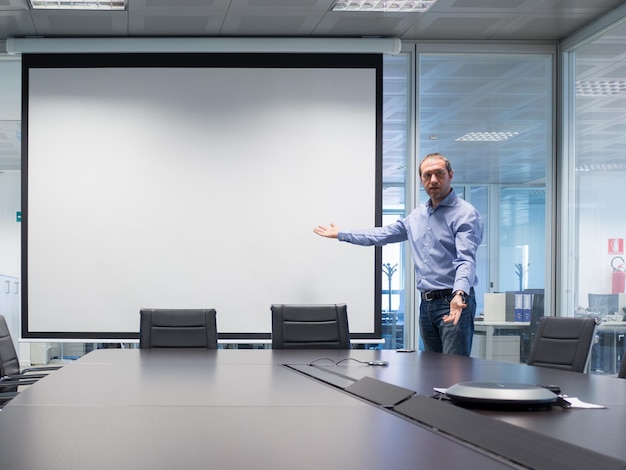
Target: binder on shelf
[[510, 305], [527, 304], [519, 306]]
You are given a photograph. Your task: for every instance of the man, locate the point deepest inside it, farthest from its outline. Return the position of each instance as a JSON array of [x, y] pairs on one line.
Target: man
[[444, 235]]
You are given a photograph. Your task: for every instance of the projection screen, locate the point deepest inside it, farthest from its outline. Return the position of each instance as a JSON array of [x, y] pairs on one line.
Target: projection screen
[[194, 181]]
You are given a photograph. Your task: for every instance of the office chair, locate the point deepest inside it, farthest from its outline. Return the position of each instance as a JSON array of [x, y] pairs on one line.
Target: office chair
[[6, 397], [177, 328], [310, 326], [563, 343], [622, 368], [11, 377]]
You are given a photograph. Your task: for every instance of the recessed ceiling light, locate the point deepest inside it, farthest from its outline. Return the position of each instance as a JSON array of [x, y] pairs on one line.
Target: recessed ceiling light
[[600, 87], [78, 4], [389, 6], [601, 167], [487, 136]]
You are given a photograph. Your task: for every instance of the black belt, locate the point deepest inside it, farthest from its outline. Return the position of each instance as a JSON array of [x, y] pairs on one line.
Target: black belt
[[436, 294], [439, 294]]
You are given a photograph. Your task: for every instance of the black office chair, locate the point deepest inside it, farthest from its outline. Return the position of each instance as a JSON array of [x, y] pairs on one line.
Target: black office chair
[[563, 343], [310, 326], [177, 328], [11, 376], [622, 368]]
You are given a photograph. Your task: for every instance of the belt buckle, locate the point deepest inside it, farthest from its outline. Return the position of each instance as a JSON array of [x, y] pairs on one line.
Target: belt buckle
[[428, 296]]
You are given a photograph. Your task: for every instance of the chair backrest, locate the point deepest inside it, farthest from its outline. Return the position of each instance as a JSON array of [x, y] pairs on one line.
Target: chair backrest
[[310, 326], [563, 343], [9, 362], [622, 368], [177, 328]]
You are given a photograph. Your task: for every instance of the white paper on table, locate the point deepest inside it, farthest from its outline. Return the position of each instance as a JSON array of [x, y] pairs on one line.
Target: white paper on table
[[576, 403]]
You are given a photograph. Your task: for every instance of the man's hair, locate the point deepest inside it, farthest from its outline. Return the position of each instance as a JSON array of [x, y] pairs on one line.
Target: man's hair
[[440, 157]]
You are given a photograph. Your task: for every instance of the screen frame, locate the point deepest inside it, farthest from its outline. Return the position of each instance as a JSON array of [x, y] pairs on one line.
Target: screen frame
[[180, 60]]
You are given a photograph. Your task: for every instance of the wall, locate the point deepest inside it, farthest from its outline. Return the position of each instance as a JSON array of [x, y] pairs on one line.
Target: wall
[[601, 210], [10, 115]]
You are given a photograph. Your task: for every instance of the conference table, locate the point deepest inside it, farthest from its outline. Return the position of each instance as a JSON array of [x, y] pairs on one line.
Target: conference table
[[263, 408]]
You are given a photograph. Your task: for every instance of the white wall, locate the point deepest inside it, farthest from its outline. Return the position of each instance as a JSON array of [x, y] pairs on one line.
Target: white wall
[[10, 88], [10, 246], [9, 227], [602, 217], [10, 115]]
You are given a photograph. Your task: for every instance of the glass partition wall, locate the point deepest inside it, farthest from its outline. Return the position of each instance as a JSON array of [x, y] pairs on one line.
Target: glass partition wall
[[593, 177], [490, 111], [396, 145]]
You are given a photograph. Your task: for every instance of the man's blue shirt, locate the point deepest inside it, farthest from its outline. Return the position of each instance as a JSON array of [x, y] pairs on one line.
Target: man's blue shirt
[[443, 241]]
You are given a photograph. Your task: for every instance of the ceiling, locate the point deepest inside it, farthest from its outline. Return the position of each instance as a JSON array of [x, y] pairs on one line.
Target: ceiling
[[447, 19], [452, 98]]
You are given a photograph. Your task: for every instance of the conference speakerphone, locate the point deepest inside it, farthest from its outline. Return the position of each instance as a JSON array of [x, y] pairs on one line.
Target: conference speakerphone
[[498, 394]]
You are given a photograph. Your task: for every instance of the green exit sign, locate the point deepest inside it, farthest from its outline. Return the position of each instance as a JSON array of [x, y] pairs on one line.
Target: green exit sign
[[18, 216]]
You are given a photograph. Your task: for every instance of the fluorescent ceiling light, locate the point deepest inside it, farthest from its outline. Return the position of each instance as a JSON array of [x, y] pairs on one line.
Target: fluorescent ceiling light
[[78, 4], [487, 136], [601, 167], [600, 87], [388, 6]]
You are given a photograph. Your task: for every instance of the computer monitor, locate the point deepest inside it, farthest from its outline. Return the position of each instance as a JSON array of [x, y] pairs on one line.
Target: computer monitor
[[603, 304]]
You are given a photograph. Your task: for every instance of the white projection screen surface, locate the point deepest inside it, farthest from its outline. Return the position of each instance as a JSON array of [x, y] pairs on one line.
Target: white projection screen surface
[[195, 181]]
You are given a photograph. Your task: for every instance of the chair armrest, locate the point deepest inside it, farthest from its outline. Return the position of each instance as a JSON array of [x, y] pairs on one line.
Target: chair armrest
[[6, 396], [42, 368], [23, 376], [27, 378], [14, 381]]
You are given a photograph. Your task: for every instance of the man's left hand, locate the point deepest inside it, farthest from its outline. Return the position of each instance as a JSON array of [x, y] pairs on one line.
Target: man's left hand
[[456, 307]]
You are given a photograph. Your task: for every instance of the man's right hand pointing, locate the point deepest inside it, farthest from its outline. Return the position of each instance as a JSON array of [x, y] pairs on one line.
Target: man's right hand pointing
[[328, 232]]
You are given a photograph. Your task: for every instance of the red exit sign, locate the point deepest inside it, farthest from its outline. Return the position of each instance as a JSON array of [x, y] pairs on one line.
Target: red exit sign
[[616, 246]]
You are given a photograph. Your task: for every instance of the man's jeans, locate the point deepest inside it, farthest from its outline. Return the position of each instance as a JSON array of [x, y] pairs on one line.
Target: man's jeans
[[447, 337]]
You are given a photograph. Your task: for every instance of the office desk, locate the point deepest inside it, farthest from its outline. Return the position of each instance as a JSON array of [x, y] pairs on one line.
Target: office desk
[[610, 345], [188, 409], [491, 329]]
